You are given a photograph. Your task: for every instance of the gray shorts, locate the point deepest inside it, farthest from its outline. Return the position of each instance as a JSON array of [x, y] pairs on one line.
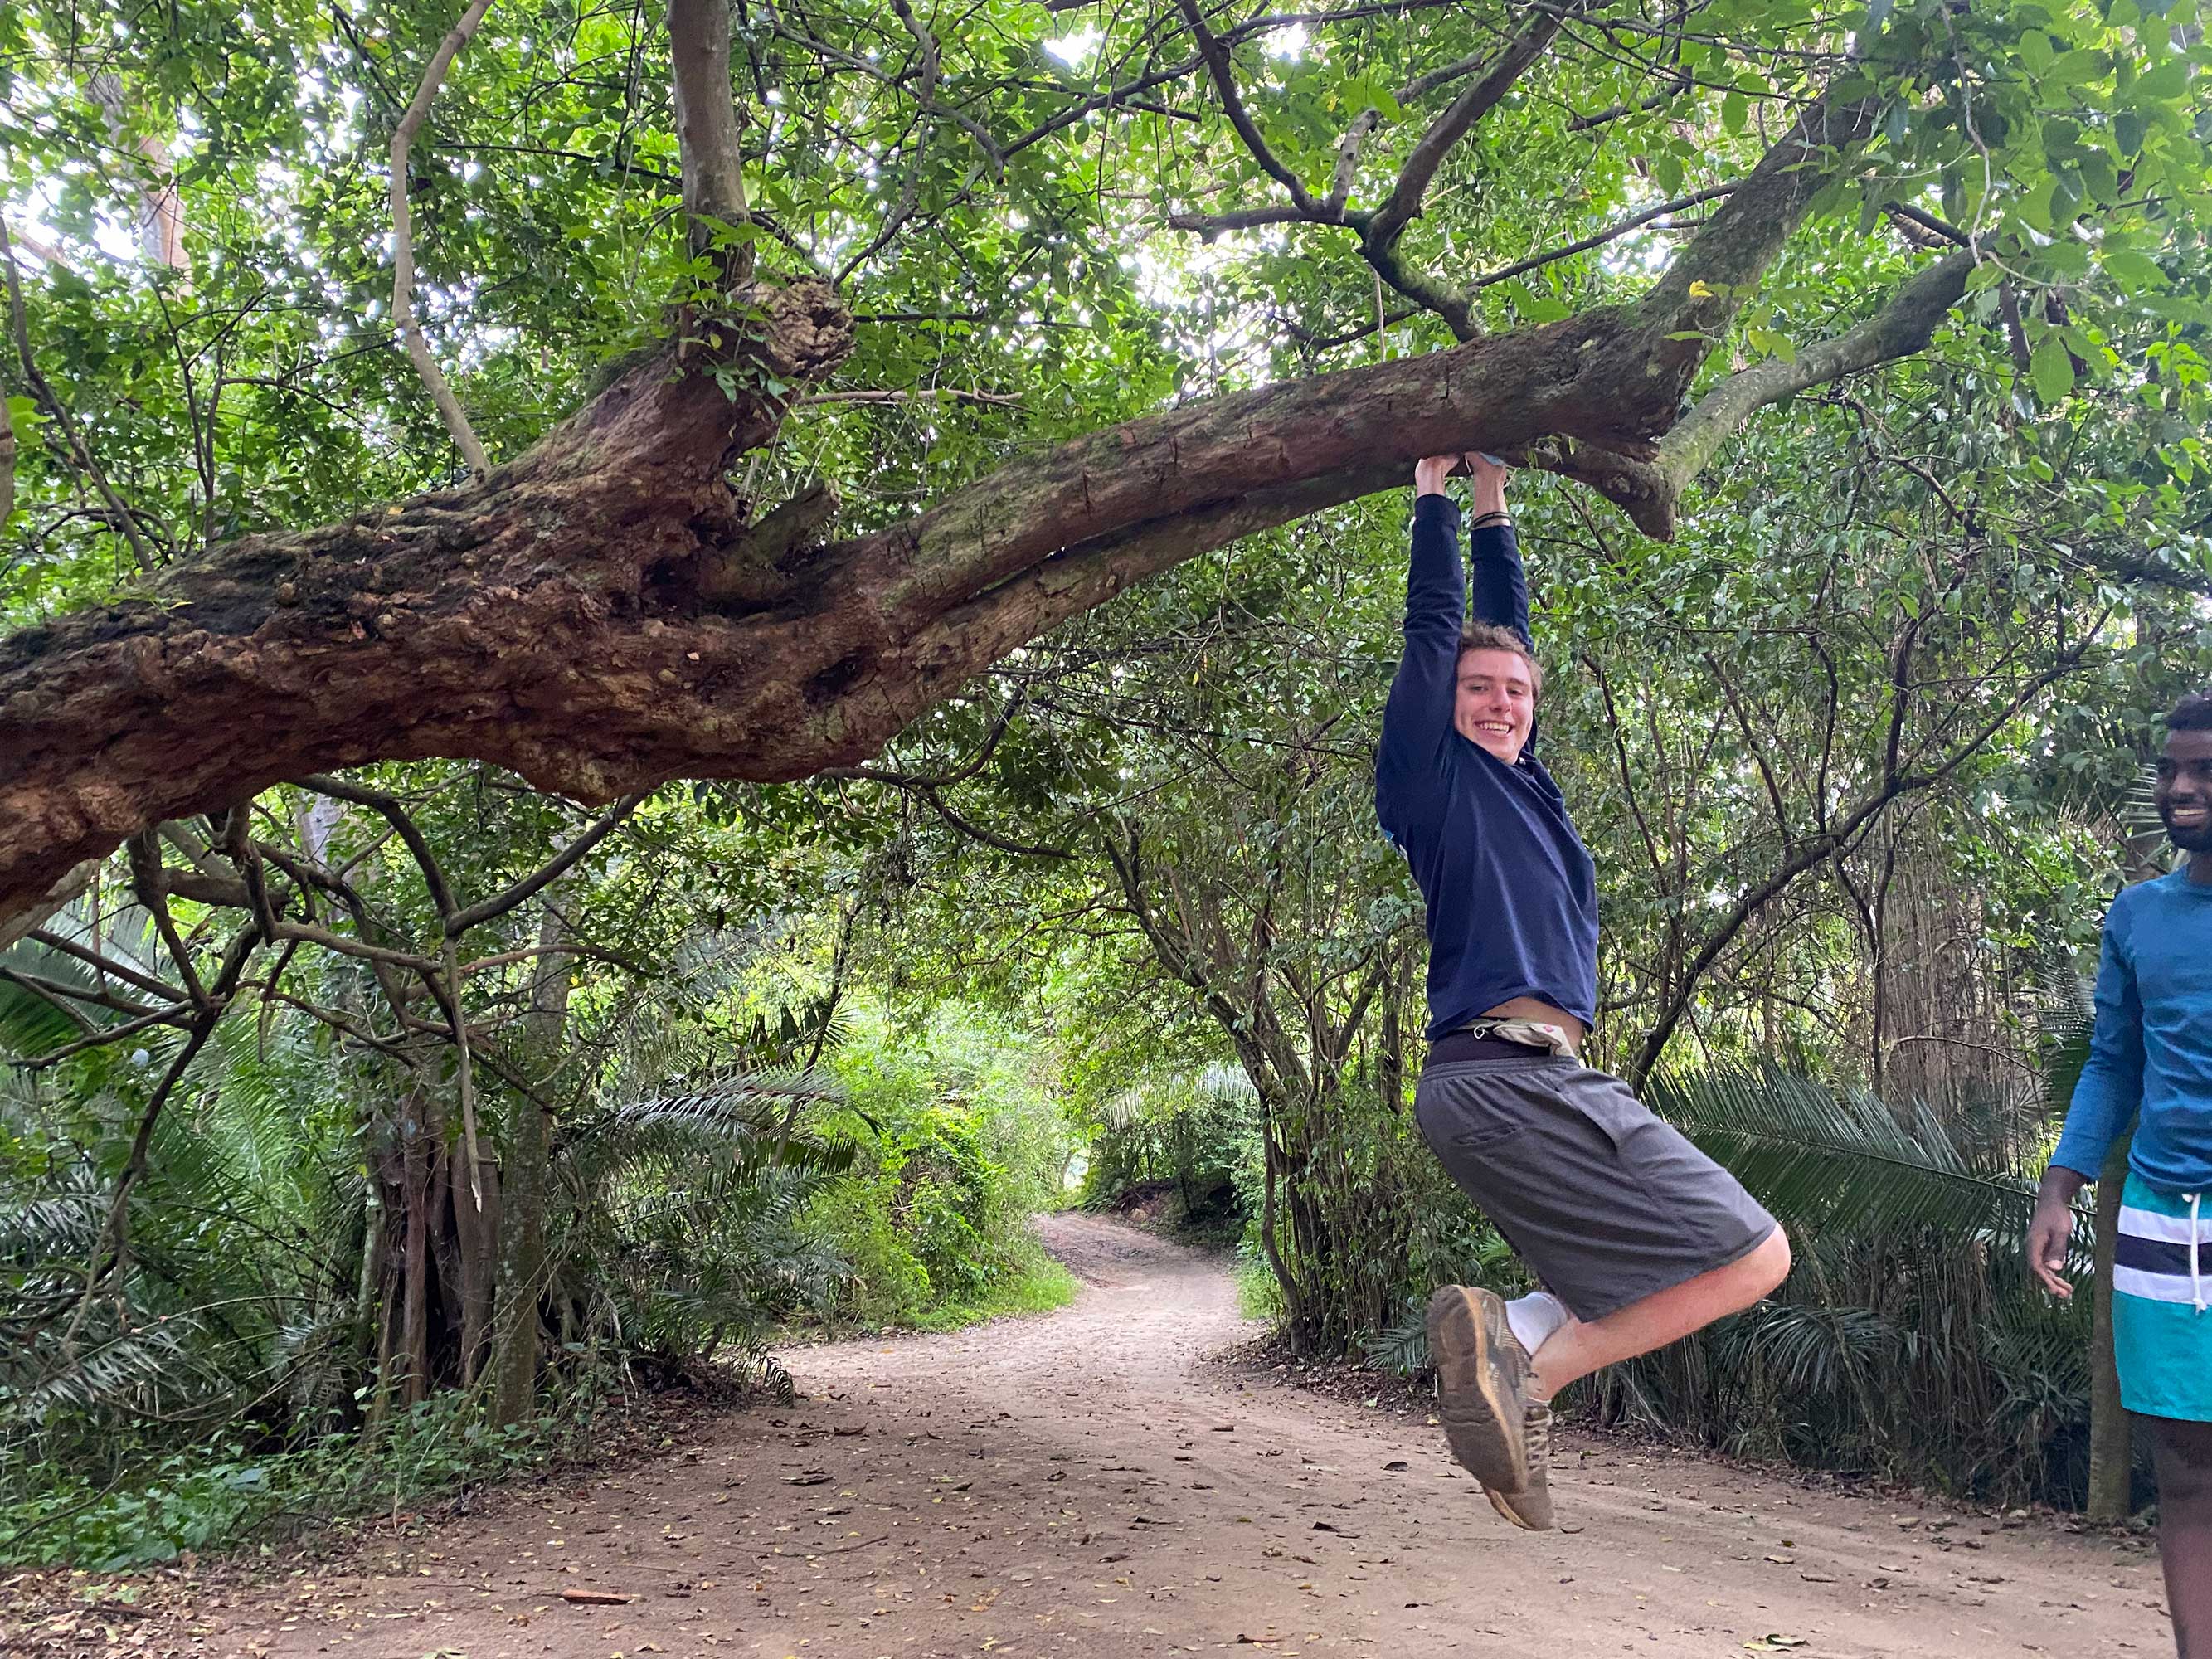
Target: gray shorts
[[1605, 1202]]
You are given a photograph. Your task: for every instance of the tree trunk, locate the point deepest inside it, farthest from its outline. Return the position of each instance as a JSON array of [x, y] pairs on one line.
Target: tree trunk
[[413, 1356], [2112, 1442], [476, 1251], [525, 1181]]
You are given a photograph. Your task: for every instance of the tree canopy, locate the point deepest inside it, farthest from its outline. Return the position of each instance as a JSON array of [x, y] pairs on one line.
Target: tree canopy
[[941, 327]]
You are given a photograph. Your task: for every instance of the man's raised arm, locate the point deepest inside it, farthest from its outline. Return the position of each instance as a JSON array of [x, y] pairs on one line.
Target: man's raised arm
[[1501, 590], [1418, 715]]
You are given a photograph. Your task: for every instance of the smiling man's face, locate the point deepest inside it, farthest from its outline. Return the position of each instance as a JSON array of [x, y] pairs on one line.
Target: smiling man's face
[[2184, 790], [1497, 702]]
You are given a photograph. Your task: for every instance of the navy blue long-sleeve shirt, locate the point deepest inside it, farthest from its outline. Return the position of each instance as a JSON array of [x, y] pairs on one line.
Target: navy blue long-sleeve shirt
[[1510, 890]]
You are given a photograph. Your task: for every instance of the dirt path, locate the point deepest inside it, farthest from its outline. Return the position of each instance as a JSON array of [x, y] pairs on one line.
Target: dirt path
[[1075, 1485]]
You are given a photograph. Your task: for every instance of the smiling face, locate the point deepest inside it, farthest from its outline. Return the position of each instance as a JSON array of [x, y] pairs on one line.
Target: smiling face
[[1497, 702], [2184, 790]]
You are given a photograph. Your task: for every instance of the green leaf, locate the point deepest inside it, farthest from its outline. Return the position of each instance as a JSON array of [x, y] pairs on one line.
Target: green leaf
[[2036, 55], [2099, 178], [1773, 343], [2163, 84], [2081, 64], [2135, 271], [2051, 369]]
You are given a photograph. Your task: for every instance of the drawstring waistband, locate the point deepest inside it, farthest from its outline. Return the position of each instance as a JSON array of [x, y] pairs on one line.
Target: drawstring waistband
[[2197, 1243]]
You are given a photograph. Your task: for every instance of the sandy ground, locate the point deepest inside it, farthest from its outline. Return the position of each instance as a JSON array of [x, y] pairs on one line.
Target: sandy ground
[[1080, 1485]]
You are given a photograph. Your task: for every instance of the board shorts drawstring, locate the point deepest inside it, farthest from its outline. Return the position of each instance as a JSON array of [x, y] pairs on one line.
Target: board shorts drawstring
[[2196, 1242]]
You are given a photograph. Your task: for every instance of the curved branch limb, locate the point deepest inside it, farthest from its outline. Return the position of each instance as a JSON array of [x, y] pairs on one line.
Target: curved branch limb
[[403, 242], [107, 967], [178, 1014], [975, 831], [1347, 160], [1456, 308], [1222, 67], [65, 996], [1522, 50], [1706, 284], [1211, 225], [395, 813], [1900, 328], [1599, 239], [559, 866], [149, 885]]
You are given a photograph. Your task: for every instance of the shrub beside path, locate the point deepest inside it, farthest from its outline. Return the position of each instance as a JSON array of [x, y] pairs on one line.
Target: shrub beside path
[[1079, 1485]]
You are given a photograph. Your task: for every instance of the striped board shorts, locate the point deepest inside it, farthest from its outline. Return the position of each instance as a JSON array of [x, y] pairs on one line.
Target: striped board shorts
[[2161, 1291]]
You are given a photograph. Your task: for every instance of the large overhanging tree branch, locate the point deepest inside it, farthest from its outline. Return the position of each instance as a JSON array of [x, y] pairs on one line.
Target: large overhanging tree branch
[[601, 614]]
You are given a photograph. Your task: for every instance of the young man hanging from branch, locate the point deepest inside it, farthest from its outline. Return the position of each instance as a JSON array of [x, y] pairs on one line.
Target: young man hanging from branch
[[2150, 1062], [1637, 1237]]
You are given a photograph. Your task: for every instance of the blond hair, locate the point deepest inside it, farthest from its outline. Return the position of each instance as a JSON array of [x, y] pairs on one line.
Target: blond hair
[[1496, 636]]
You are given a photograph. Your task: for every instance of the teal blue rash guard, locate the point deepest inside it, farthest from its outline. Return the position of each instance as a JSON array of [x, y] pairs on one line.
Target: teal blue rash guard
[[1510, 890], [2151, 1059]]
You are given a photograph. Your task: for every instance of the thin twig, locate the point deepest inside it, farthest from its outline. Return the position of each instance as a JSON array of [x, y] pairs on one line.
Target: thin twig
[[403, 242], [120, 516], [915, 395], [458, 922]]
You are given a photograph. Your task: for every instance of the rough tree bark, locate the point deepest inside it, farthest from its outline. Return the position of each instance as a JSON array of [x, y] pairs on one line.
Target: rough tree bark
[[599, 615]]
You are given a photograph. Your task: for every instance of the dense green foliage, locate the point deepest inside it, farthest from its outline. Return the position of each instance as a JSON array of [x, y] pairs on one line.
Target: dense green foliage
[[286, 1222]]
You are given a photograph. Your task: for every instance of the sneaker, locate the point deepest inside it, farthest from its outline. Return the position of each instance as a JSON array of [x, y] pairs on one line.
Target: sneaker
[[1482, 1381], [1531, 1507]]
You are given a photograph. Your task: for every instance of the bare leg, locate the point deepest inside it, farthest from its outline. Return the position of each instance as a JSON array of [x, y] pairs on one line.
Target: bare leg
[[1577, 1349], [2184, 1528]]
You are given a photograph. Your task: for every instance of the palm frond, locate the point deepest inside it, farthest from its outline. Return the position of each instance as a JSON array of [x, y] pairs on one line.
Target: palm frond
[[1402, 1348], [1820, 1157]]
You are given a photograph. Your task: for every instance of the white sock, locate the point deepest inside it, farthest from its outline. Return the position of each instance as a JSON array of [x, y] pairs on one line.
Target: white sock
[[1534, 1317]]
